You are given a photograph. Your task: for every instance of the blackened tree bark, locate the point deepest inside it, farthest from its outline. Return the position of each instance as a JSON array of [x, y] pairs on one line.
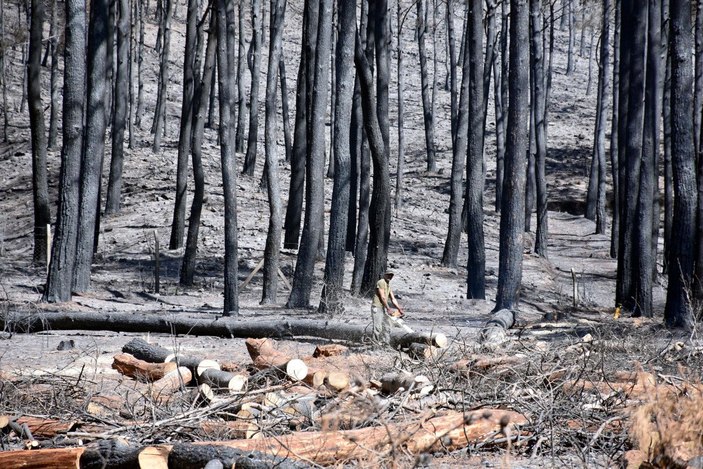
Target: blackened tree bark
[[501, 94], [94, 145], [140, 59], [459, 149], [332, 291], [489, 62], [114, 189], [381, 26], [453, 81], [40, 184], [681, 264], [3, 75], [273, 238], [425, 84], [294, 209], [201, 96], [633, 46], [602, 116], [53, 80], [379, 222], [512, 220], [315, 165], [615, 135], [476, 263], [539, 105], [666, 118], [229, 169], [401, 98], [571, 19], [158, 126], [241, 67], [285, 113], [255, 54], [698, 86], [60, 278], [186, 127]]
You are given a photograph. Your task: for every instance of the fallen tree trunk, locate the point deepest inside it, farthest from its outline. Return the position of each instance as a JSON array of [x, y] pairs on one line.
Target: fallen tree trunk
[[141, 370], [265, 356], [21, 322], [494, 332], [444, 432]]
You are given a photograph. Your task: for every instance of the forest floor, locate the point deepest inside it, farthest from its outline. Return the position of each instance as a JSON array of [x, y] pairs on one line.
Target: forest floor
[[587, 429]]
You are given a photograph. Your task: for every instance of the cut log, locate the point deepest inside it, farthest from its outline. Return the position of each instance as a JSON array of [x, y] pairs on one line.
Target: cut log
[[265, 356], [172, 382], [199, 326], [141, 370], [143, 350], [444, 432], [242, 428], [493, 332], [118, 454], [422, 351], [46, 428], [337, 380], [189, 456], [329, 350], [55, 458], [393, 382], [223, 380]]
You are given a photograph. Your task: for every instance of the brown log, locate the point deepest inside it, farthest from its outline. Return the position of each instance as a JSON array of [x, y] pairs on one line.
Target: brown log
[[329, 350], [445, 432], [265, 356], [59, 458], [173, 381], [46, 428], [141, 370], [337, 380]]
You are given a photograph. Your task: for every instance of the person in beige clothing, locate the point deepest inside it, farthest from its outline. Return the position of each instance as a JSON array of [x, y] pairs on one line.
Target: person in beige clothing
[[380, 311]]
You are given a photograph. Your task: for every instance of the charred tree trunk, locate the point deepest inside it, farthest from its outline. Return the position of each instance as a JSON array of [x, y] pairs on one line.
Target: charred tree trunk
[[114, 189], [140, 59], [502, 101], [158, 126], [539, 105], [459, 152], [681, 264], [201, 97], [476, 263], [315, 165], [285, 114], [255, 54], [571, 19], [94, 145], [273, 238], [53, 80], [453, 80], [698, 84], [40, 184], [615, 135], [229, 172], [60, 280], [425, 86], [241, 68], [401, 100], [512, 220], [186, 127], [602, 116]]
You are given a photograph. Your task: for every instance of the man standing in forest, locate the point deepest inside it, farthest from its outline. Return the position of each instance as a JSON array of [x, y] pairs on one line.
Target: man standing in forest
[[380, 311]]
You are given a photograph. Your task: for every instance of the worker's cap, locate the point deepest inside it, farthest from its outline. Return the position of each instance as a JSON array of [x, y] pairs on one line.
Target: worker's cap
[[389, 273]]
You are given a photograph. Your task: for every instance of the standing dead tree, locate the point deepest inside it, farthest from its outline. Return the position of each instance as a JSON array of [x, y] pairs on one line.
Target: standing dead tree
[[425, 84], [158, 127], [255, 64]]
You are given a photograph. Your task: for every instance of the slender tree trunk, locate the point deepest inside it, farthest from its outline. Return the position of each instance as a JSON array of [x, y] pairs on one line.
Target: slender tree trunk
[[539, 108], [114, 190], [140, 60], [186, 127], [697, 132], [255, 54], [241, 67], [615, 135], [112, 14], [601, 117], [666, 118], [201, 96], [53, 80], [63, 255], [315, 166], [425, 84], [333, 289], [40, 184], [453, 81], [572, 37], [698, 87], [512, 221], [285, 113], [491, 39], [681, 264], [3, 76], [501, 118], [476, 263], [273, 238], [401, 98], [158, 127], [459, 152], [229, 172], [94, 145]]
